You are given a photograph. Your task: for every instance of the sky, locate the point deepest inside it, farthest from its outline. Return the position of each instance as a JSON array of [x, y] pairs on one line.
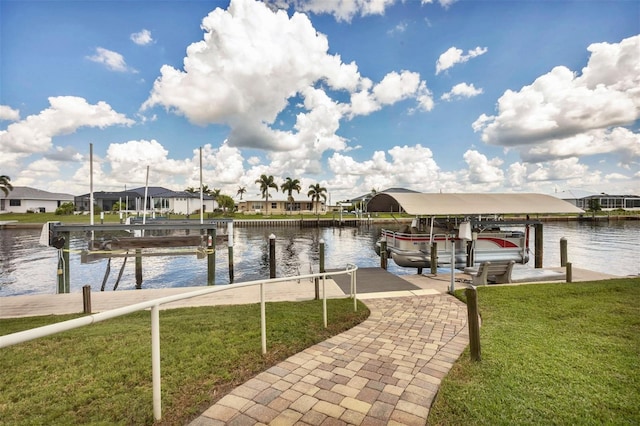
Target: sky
[[356, 95]]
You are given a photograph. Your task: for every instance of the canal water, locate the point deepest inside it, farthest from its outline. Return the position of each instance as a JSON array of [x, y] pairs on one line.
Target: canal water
[[28, 268]]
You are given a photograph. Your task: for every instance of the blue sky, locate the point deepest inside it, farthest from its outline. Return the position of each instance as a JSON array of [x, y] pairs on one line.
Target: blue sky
[[451, 96]]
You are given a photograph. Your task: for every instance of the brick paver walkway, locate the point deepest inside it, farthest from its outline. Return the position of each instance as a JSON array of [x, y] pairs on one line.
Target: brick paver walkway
[[384, 371]]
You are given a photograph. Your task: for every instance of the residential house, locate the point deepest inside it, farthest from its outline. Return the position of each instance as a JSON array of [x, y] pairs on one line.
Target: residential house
[[24, 199], [159, 199], [281, 206]]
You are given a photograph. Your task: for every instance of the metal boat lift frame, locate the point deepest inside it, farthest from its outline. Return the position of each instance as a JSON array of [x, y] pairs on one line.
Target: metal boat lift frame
[[60, 237]]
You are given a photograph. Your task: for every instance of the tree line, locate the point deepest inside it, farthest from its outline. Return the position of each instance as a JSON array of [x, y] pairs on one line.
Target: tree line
[[315, 192], [266, 182]]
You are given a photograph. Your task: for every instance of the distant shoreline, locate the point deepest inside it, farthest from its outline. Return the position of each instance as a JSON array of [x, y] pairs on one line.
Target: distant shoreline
[[349, 221]]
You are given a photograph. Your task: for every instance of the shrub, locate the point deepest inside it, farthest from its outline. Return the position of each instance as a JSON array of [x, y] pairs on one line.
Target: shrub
[[65, 209]]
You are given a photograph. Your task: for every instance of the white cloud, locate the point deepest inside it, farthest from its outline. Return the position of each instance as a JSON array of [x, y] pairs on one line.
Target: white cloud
[[408, 166], [560, 105], [620, 141], [483, 170], [517, 175], [455, 56], [398, 29], [131, 159], [344, 10], [142, 38], [65, 115], [253, 62], [9, 114], [443, 3], [461, 90], [223, 165], [42, 168], [112, 60], [569, 168]]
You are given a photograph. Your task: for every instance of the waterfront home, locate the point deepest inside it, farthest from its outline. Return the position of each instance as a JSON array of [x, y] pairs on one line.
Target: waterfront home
[[160, 200], [281, 206], [24, 199]]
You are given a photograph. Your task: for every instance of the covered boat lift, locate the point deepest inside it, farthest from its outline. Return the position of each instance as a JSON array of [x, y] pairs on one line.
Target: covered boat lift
[[466, 204], [475, 204]]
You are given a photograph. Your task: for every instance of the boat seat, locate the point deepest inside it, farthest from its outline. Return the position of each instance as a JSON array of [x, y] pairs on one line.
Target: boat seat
[[498, 272]]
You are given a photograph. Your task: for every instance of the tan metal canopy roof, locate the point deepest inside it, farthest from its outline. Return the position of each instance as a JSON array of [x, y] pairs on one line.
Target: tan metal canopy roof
[[417, 203]]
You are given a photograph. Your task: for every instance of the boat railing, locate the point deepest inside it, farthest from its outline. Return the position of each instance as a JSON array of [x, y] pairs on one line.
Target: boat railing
[[154, 306]]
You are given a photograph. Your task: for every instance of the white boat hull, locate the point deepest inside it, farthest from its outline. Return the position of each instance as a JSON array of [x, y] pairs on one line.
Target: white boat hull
[[414, 250]]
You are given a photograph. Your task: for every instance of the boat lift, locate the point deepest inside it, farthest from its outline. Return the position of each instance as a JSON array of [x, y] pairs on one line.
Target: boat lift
[[58, 235]]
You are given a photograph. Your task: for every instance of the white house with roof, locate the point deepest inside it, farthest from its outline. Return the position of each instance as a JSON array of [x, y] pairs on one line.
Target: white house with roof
[[24, 199], [278, 205]]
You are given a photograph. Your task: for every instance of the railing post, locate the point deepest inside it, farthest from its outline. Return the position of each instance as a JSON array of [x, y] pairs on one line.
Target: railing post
[[155, 361], [263, 320], [563, 251], [354, 291], [324, 302], [474, 323]]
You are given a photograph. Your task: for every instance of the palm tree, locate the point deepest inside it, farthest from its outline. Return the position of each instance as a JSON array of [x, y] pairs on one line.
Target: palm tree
[[241, 191], [266, 182], [289, 186], [316, 192], [5, 184]]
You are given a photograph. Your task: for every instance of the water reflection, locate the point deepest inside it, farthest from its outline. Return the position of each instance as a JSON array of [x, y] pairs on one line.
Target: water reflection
[[28, 268]]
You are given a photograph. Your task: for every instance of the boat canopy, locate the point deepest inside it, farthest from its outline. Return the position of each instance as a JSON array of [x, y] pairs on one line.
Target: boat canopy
[[417, 203]]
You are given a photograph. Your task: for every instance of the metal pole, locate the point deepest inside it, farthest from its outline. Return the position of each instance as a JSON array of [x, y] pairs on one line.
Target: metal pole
[[66, 267], [263, 320], [354, 283], [453, 266], [155, 361], [201, 191], [211, 256], [91, 212], [474, 323], [324, 302], [272, 256], [563, 251], [321, 255], [230, 246]]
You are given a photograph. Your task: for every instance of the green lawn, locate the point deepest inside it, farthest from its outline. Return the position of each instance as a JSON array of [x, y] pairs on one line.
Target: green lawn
[[564, 354], [101, 374]]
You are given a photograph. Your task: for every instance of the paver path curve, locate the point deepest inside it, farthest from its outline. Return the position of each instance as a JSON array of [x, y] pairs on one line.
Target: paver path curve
[[384, 371]]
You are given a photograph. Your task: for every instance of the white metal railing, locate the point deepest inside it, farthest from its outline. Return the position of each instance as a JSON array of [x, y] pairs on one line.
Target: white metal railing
[[154, 305]]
